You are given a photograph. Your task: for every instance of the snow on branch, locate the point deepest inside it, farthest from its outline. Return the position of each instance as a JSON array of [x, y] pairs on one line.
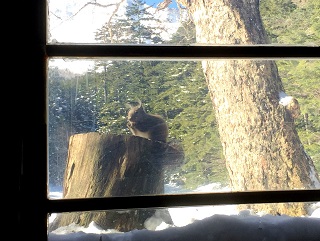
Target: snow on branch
[[290, 103]]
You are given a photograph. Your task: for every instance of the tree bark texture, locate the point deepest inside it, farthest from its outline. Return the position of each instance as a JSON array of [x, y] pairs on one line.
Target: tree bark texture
[[102, 165], [261, 146]]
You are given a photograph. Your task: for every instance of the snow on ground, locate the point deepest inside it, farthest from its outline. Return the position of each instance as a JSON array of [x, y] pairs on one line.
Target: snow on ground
[[221, 222]]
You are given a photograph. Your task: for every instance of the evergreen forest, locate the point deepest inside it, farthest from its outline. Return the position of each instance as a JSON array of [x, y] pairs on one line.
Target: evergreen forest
[[96, 101]]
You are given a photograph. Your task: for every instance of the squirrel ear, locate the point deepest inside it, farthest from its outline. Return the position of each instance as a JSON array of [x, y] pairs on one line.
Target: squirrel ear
[[139, 102]]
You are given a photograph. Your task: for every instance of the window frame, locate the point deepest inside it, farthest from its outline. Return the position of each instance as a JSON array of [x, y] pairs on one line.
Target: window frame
[[34, 206]]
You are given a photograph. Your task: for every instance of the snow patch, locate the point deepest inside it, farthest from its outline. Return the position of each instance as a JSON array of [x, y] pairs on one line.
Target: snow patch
[[284, 98]]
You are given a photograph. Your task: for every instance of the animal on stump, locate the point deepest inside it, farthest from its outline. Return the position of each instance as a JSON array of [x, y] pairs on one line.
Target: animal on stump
[[149, 126]]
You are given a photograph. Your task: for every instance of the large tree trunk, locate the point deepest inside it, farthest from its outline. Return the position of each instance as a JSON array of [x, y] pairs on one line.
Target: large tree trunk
[[102, 165], [261, 146]]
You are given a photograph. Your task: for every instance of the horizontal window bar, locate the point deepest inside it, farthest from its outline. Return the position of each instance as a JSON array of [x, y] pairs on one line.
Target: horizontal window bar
[[192, 52], [176, 200]]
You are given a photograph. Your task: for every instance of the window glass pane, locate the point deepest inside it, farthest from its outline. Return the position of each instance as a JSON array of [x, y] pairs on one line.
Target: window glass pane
[[246, 126], [186, 223], [170, 22]]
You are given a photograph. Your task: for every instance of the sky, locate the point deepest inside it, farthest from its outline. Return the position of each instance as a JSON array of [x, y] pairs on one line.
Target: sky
[[75, 21], [71, 22], [205, 223]]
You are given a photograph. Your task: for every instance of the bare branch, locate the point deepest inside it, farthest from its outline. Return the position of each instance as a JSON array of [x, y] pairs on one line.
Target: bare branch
[[93, 2], [164, 4], [112, 15]]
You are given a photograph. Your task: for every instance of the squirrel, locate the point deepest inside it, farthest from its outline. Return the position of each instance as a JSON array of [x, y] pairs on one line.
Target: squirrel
[[149, 126]]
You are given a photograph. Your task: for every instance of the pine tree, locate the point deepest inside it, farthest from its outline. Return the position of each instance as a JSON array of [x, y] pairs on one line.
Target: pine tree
[[137, 26]]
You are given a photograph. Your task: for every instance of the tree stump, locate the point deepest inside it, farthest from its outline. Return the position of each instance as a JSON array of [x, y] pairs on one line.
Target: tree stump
[[104, 165]]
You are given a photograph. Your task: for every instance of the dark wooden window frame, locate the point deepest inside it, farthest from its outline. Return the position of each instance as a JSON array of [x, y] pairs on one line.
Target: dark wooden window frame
[[193, 52], [34, 206]]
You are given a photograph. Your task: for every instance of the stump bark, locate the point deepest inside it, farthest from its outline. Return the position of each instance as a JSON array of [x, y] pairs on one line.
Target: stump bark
[[104, 165]]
